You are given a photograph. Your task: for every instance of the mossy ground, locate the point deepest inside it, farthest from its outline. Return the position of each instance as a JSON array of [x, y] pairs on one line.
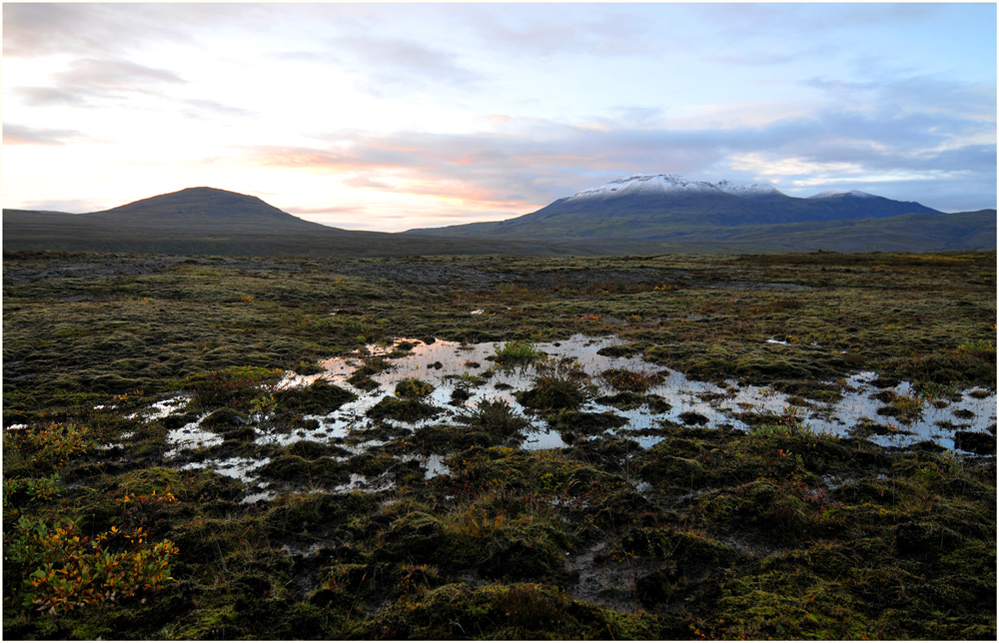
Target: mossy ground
[[709, 534]]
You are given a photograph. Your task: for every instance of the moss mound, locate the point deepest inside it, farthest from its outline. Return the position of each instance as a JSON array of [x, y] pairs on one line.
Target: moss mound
[[319, 398]]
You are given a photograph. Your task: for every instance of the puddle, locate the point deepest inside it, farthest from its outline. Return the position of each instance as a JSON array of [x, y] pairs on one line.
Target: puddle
[[191, 437], [238, 468], [260, 496], [158, 410], [433, 464], [167, 407], [366, 484], [452, 366]]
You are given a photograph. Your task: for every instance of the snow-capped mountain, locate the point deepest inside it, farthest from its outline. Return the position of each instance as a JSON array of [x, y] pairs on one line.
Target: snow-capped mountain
[[655, 206], [671, 184], [754, 190]]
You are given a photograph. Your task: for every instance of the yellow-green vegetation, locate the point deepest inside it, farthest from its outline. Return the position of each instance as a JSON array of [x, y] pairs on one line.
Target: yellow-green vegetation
[[630, 381], [111, 530], [559, 385], [70, 572], [517, 353], [411, 388]]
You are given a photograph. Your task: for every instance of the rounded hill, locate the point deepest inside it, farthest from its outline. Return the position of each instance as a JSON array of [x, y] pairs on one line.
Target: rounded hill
[[203, 207]]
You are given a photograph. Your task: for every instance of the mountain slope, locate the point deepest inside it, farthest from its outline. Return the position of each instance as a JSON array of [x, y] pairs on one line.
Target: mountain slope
[[653, 206], [205, 208], [218, 222], [915, 232], [624, 217]]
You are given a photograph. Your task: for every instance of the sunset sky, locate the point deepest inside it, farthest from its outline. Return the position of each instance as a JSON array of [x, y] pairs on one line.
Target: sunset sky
[[396, 116]]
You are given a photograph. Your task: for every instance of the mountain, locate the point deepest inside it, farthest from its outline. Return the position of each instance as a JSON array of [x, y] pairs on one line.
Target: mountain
[[206, 209], [640, 215], [651, 207], [210, 221]]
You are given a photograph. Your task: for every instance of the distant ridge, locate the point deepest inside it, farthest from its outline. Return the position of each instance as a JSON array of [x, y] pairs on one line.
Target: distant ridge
[[644, 214], [661, 205], [204, 220]]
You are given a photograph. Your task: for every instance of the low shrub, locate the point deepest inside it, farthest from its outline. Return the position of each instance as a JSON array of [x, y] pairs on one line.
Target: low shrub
[[412, 388], [559, 385], [517, 353], [64, 571]]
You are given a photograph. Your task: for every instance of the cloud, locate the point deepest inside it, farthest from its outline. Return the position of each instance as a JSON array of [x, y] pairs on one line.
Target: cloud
[[924, 93], [90, 81], [382, 64], [367, 182], [551, 30], [44, 96], [39, 29], [23, 135], [202, 108], [336, 210], [772, 165], [112, 29], [34, 29], [814, 97], [529, 163], [117, 74]]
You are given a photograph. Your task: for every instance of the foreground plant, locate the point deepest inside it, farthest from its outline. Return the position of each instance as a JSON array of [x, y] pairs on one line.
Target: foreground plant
[[68, 571], [517, 353], [630, 381], [560, 385], [411, 388], [49, 447], [497, 416]]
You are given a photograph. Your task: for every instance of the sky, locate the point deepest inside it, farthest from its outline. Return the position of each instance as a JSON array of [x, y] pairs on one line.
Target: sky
[[390, 117]]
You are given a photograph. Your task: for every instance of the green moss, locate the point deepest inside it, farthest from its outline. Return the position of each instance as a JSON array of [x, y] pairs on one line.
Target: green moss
[[628, 401], [411, 388], [584, 423], [517, 353], [319, 398], [558, 386], [322, 472], [712, 533], [405, 410], [448, 439], [363, 382], [630, 381], [414, 536], [672, 472], [231, 386], [811, 389], [316, 513], [496, 417], [154, 479], [979, 443], [368, 464], [512, 612]]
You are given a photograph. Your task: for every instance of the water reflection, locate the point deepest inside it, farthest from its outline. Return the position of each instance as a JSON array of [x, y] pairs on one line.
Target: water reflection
[[470, 369]]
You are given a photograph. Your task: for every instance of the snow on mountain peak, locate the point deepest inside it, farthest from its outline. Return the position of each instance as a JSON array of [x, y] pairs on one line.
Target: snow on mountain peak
[[662, 184], [756, 189], [836, 193]]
